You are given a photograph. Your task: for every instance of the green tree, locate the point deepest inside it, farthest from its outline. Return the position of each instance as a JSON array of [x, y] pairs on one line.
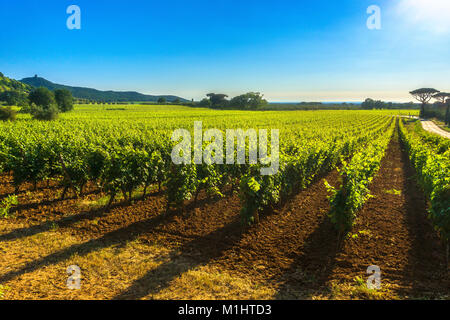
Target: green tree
[[368, 104], [442, 97], [424, 96], [217, 99], [64, 100], [205, 103], [162, 100], [250, 100], [374, 104], [14, 98], [43, 103], [42, 97]]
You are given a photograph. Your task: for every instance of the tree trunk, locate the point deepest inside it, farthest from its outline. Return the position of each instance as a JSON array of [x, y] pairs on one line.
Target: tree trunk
[[196, 195], [111, 199], [339, 239], [124, 193], [167, 207], [64, 193], [66, 173], [447, 115], [447, 252], [256, 216], [145, 191]]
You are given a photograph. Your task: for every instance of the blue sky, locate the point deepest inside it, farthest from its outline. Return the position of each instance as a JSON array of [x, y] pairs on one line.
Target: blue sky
[[289, 50]]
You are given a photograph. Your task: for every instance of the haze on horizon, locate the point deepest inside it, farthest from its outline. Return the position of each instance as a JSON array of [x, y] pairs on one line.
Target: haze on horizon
[[288, 50]]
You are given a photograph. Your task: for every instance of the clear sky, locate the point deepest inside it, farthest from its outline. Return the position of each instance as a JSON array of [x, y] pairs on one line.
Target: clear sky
[[289, 50]]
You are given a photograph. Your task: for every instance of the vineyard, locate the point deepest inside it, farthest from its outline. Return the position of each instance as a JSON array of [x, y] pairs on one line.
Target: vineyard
[[98, 188]]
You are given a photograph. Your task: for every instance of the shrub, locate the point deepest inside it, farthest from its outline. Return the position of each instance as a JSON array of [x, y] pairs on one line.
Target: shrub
[[27, 109], [7, 114], [47, 114]]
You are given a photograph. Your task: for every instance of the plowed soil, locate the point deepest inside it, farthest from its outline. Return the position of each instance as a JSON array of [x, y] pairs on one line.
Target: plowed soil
[[294, 247]]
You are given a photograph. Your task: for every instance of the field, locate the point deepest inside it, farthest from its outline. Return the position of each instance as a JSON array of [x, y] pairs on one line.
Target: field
[[97, 189]]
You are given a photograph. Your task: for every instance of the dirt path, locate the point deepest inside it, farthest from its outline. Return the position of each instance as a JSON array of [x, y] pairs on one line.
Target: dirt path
[[430, 126]]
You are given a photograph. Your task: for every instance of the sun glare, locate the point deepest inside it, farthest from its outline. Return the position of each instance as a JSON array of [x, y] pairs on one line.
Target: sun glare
[[432, 15]]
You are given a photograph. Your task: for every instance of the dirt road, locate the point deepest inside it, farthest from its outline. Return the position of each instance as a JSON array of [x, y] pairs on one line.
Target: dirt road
[[432, 127]]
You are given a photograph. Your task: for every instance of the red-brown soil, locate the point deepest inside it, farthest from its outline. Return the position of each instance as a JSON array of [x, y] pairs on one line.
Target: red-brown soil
[[294, 246], [400, 239]]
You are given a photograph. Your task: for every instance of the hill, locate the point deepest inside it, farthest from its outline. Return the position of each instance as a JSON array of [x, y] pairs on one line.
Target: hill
[[8, 84], [97, 95]]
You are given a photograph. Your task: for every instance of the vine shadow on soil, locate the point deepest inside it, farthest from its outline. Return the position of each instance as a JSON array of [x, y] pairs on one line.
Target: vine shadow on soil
[[209, 247], [426, 272], [312, 269], [63, 222], [116, 237]]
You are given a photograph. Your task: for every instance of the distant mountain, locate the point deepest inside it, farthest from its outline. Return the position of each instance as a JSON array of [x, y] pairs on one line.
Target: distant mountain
[[97, 95], [7, 84]]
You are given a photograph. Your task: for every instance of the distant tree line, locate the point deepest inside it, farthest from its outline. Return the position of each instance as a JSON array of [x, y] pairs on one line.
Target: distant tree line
[[369, 104], [247, 101], [161, 100], [312, 106]]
